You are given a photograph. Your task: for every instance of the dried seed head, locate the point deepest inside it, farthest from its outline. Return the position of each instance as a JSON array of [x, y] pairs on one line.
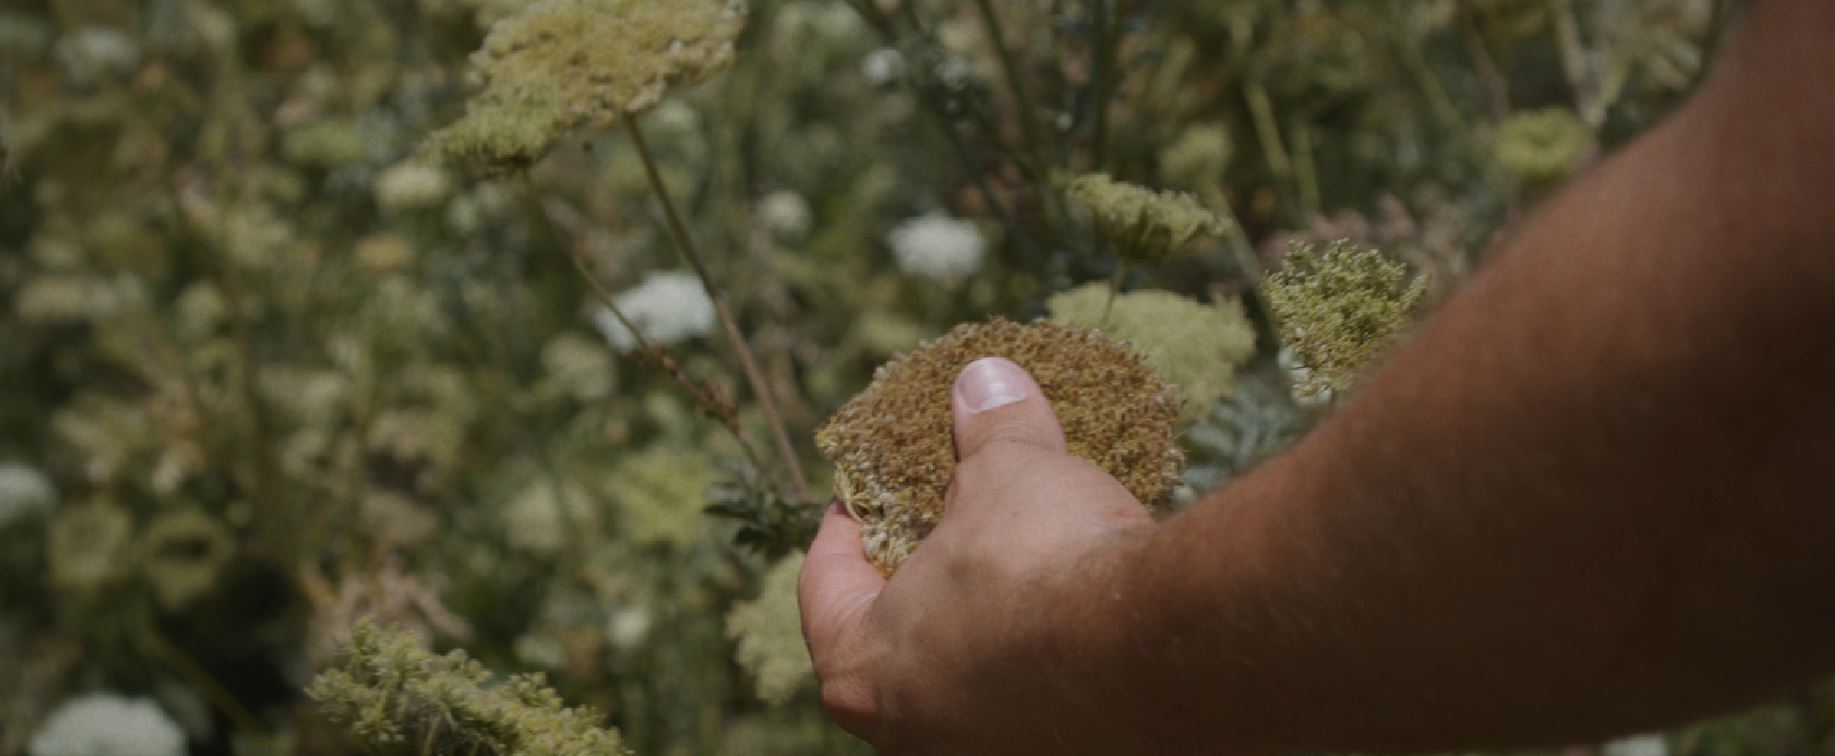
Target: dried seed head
[[562, 63], [893, 448]]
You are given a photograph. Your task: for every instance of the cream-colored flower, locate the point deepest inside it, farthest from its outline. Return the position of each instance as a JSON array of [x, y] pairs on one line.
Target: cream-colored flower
[[768, 632]]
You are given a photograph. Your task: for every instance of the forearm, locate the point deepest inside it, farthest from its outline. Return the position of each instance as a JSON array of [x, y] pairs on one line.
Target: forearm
[[1594, 493]]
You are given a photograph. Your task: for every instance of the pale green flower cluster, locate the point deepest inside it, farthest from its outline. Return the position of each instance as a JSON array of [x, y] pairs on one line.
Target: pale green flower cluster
[[89, 545], [395, 694], [1198, 158], [185, 553], [559, 64], [661, 494], [769, 634], [1192, 345], [1340, 309], [1143, 224], [1543, 146]]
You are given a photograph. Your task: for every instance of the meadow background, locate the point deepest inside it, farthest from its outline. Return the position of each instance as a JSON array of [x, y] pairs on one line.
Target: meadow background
[[268, 365]]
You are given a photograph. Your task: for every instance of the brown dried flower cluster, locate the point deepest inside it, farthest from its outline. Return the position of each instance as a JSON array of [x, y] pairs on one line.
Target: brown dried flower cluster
[[893, 447]]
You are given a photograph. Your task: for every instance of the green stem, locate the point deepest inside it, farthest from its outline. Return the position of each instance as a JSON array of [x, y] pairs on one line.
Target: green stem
[[661, 359], [1104, 67], [194, 673], [1022, 100], [760, 387]]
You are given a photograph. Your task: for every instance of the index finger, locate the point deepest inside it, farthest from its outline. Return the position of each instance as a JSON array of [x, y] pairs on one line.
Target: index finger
[[837, 584]]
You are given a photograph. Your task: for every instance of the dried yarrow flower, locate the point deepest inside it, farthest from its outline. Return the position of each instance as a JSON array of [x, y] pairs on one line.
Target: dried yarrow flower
[[560, 64], [1143, 224], [893, 448], [1339, 310]]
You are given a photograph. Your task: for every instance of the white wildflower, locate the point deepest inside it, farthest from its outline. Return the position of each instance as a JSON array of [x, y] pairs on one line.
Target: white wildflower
[[628, 627], [95, 51], [105, 724], [667, 307], [24, 492], [786, 214], [937, 246], [410, 185], [882, 66], [1636, 745]]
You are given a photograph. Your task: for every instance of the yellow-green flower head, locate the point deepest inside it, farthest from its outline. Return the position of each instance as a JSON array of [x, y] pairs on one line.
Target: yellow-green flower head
[[661, 494], [1198, 157], [389, 689], [88, 544], [1143, 224], [1339, 310], [185, 553], [559, 64], [1194, 346], [1543, 146], [768, 633]]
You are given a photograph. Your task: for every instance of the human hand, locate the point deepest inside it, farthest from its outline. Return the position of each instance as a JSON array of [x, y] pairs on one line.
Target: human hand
[[962, 650]]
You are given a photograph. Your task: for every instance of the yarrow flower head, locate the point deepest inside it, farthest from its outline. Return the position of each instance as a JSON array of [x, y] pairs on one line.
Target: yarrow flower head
[[560, 64], [1339, 310], [106, 724], [938, 247], [768, 633], [1543, 146], [667, 308], [1192, 345], [389, 689], [892, 449], [1144, 225]]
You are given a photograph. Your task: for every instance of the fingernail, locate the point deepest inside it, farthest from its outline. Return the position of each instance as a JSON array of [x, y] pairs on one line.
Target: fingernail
[[991, 382]]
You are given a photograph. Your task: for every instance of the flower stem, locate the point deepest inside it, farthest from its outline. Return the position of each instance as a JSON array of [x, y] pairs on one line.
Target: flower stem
[[760, 387]]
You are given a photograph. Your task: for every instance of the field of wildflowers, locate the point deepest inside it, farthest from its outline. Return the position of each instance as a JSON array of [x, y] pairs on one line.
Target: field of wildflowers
[[337, 336]]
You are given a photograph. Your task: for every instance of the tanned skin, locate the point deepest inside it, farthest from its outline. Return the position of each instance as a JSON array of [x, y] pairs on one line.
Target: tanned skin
[[1593, 495]]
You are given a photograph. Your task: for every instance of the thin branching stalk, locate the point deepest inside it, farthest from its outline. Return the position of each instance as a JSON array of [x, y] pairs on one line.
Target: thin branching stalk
[[194, 673], [1022, 100], [760, 387], [1104, 53], [1497, 88], [887, 29], [702, 395]]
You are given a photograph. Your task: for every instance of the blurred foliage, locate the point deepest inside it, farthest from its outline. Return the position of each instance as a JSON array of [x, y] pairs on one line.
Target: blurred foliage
[[267, 373]]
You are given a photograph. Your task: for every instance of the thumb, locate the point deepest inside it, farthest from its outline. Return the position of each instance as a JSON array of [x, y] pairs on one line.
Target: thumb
[[996, 402]]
